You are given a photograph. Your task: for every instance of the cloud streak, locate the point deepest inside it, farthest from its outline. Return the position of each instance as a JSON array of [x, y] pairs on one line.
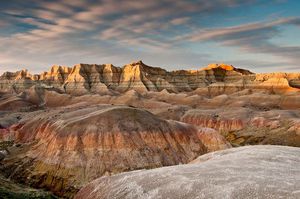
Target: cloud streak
[[43, 32], [252, 37]]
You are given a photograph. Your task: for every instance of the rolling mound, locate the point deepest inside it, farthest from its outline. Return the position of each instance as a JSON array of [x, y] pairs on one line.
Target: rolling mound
[[65, 148], [244, 172]]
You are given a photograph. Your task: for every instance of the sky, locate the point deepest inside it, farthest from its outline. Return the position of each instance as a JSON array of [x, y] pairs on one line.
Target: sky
[[259, 35]]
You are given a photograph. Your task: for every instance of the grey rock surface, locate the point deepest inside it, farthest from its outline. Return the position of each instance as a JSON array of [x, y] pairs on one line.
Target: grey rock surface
[[244, 172]]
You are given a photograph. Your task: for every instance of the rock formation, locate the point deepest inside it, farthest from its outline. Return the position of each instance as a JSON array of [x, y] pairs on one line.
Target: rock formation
[[244, 126], [244, 172], [214, 80], [70, 125], [67, 147]]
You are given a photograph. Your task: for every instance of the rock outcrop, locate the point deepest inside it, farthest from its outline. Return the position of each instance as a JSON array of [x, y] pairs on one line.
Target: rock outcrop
[[216, 79], [244, 172]]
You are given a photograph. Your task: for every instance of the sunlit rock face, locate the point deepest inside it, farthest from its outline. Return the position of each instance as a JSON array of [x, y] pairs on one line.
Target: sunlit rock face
[[68, 147], [16, 81], [86, 78], [215, 79], [244, 172], [56, 75]]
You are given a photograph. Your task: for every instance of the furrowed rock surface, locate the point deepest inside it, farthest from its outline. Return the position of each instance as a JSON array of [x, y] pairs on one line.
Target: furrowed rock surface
[[244, 172], [216, 79], [70, 146]]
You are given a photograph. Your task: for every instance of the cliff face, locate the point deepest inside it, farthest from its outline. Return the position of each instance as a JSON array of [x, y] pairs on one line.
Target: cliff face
[[84, 78]]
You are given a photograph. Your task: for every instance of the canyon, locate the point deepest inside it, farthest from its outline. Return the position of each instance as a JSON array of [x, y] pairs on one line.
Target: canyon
[[62, 129]]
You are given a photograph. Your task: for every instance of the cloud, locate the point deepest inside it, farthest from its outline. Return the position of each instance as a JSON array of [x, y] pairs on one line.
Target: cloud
[[239, 31], [262, 65], [44, 32], [252, 37], [63, 17], [179, 21], [3, 24]]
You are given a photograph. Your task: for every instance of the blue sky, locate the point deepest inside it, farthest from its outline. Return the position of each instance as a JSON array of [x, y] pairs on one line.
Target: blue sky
[[259, 35]]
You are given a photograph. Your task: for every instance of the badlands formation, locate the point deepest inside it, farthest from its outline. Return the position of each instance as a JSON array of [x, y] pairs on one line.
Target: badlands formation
[[64, 128], [233, 173], [74, 145]]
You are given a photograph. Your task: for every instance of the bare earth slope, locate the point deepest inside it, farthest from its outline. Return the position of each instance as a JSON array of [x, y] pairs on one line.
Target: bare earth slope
[[73, 145], [244, 172]]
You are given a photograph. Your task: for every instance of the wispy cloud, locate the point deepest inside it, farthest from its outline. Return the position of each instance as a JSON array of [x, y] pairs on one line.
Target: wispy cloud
[[43, 32], [252, 37], [179, 21], [240, 31]]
